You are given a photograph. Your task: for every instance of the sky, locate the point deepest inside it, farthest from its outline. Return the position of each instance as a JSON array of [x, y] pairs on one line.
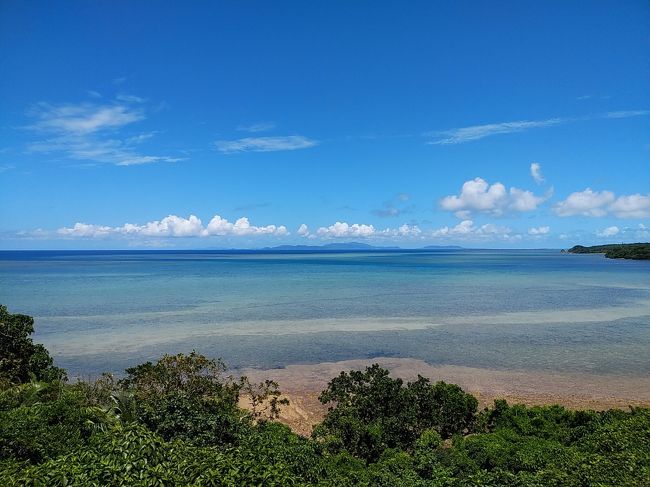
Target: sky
[[240, 124]]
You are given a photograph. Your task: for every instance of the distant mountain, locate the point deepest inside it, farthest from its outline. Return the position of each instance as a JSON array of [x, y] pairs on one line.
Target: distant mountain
[[356, 246], [442, 247], [332, 246]]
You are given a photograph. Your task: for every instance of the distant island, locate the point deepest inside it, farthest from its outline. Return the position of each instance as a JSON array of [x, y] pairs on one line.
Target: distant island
[[355, 246], [636, 251], [443, 247], [333, 246]]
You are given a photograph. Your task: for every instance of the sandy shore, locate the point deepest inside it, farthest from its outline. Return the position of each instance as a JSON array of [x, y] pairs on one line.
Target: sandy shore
[[303, 383]]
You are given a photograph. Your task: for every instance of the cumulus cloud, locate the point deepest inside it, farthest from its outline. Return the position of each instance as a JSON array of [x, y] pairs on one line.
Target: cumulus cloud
[[360, 230], [265, 144], [84, 230], [242, 227], [404, 230], [174, 226], [539, 230], [170, 226], [409, 230], [343, 229], [467, 230], [586, 203], [536, 172], [92, 131], [631, 206], [477, 195], [609, 231], [303, 230], [601, 203]]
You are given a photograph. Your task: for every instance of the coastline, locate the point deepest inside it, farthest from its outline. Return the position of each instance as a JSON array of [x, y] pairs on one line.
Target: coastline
[[302, 384]]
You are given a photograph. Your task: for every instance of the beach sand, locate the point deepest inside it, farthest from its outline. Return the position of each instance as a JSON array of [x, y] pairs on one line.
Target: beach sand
[[302, 384]]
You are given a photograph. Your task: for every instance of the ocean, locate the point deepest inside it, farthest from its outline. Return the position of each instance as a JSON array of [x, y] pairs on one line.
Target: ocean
[[529, 310]]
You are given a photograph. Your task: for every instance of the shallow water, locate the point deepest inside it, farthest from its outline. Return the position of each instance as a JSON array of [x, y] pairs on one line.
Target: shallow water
[[523, 310]]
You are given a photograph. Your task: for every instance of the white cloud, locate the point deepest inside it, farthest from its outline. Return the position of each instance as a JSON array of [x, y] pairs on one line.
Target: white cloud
[[303, 230], [170, 226], [609, 231], [536, 172], [242, 227], [265, 144], [174, 226], [463, 228], [467, 230], [539, 230], [85, 231], [82, 119], [476, 132], [601, 203], [631, 206], [409, 230], [404, 230], [585, 203], [342, 229], [479, 196], [92, 132], [360, 230]]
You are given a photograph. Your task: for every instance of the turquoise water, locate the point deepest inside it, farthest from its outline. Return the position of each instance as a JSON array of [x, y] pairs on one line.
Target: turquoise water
[[523, 310]]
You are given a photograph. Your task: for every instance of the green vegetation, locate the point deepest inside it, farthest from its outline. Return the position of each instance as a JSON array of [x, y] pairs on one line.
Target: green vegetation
[[20, 359], [177, 422], [636, 251], [374, 412]]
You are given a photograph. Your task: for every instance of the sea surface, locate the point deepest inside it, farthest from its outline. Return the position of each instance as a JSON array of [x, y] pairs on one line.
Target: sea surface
[[513, 310]]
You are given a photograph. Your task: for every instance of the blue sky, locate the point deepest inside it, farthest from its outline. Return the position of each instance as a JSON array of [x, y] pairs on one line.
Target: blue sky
[[247, 124]]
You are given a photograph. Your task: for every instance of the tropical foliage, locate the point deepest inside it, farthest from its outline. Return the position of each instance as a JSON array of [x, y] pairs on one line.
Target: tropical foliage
[[20, 359], [177, 422], [636, 251]]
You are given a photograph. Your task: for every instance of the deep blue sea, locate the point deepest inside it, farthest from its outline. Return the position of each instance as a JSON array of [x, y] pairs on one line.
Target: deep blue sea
[[517, 310]]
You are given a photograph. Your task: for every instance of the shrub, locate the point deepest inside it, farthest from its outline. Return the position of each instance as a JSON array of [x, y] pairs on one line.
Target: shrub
[[374, 412], [21, 360]]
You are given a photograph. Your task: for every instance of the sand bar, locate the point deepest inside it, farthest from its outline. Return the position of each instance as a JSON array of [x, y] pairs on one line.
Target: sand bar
[[303, 383]]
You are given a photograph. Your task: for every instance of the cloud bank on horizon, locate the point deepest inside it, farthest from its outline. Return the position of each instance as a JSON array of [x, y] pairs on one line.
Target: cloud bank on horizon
[[477, 197]]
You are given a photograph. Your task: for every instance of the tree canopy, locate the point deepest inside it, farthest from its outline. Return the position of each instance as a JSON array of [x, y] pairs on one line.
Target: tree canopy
[[635, 251], [21, 359]]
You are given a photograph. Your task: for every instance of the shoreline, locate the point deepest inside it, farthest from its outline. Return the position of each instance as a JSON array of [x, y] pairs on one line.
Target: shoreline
[[302, 384]]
